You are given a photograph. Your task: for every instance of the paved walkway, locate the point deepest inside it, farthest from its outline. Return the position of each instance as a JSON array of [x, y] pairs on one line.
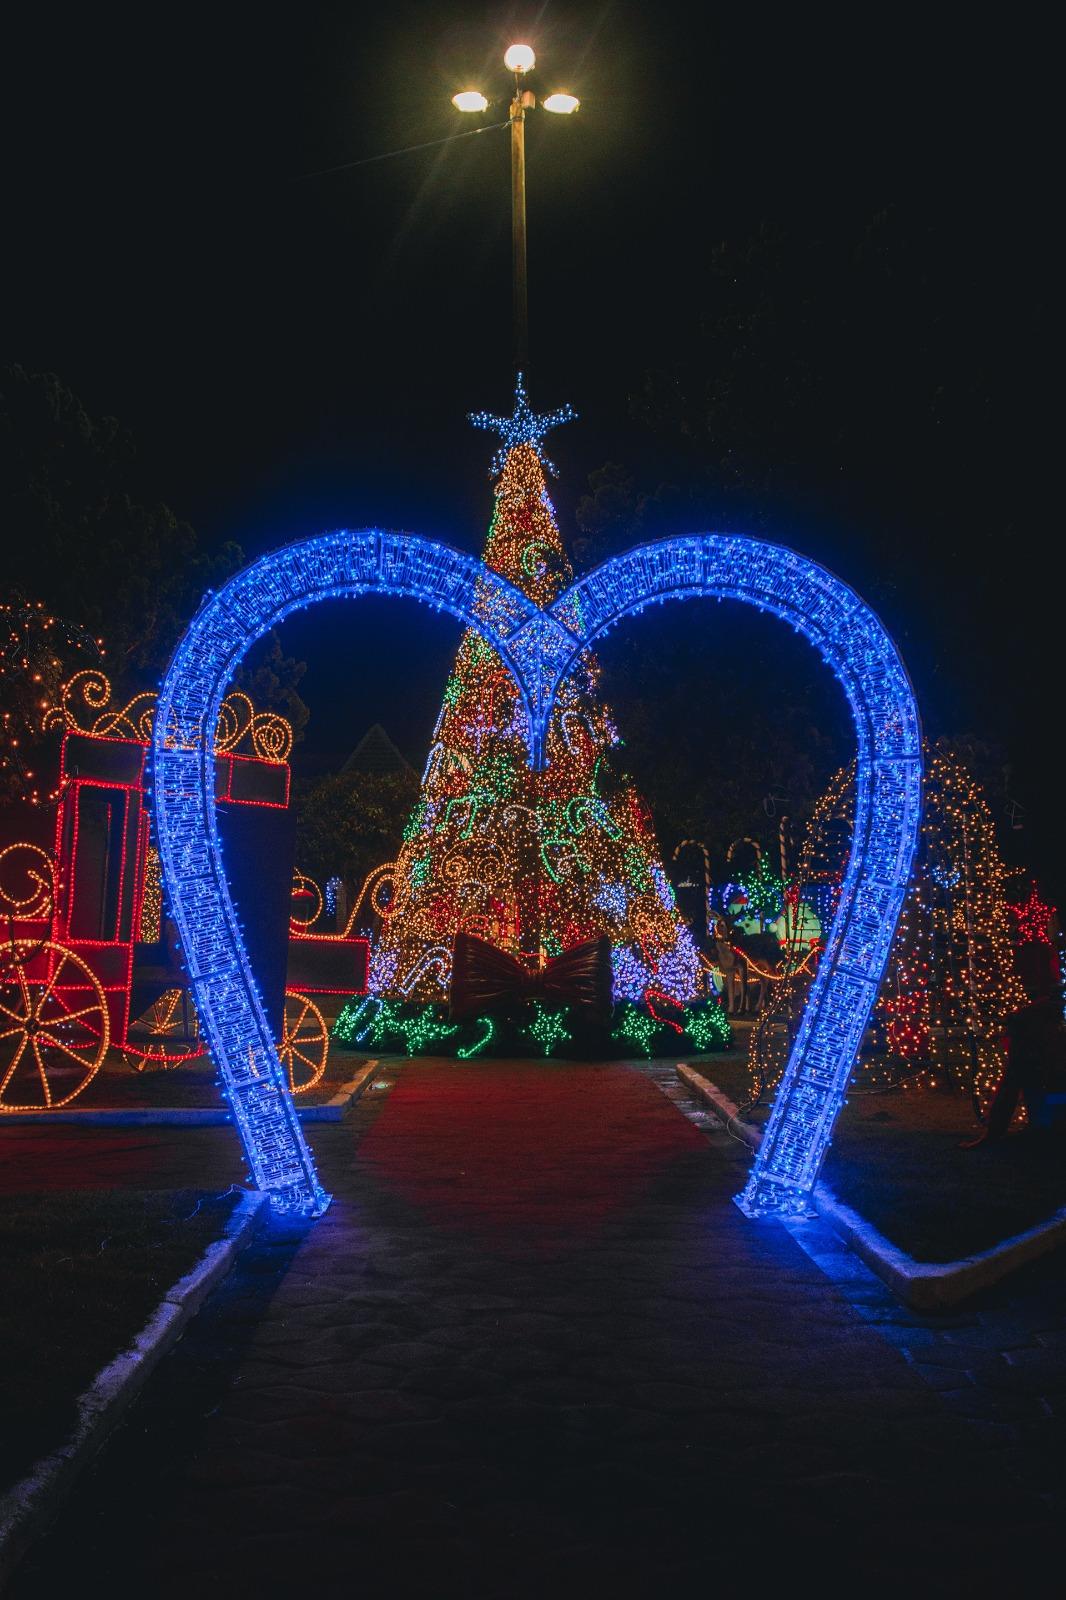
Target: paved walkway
[[533, 1350]]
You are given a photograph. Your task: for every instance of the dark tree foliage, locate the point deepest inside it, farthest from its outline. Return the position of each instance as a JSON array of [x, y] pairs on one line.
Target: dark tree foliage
[[727, 727], [271, 680], [79, 537], [350, 823], [37, 650], [840, 394], [841, 389], [836, 373]]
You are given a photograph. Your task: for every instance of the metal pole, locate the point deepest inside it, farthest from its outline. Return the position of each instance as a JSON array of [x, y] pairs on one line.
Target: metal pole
[[518, 227]]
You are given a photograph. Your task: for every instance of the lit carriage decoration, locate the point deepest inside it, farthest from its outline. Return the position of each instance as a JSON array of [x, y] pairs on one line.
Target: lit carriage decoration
[[88, 957]]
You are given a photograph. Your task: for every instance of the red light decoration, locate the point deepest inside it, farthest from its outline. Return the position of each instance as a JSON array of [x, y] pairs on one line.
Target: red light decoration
[[1033, 920]]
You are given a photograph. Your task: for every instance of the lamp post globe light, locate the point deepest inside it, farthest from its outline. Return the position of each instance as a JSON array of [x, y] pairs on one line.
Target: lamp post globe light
[[519, 59]]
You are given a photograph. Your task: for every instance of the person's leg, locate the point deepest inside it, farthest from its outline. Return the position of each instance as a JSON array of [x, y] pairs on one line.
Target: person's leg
[[1046, 1111], [1003, 1104]]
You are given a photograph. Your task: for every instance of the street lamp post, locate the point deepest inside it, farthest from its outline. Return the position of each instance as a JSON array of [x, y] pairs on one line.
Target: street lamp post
[[519, 59], [519, 280]]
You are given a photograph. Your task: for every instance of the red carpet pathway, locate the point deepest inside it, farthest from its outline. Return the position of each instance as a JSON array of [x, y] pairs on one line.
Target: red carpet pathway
[[532, 1350]]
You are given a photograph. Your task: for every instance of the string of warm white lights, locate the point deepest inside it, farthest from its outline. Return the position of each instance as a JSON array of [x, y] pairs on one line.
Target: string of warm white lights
[[774, 1032], [950, 983], [33, 644]]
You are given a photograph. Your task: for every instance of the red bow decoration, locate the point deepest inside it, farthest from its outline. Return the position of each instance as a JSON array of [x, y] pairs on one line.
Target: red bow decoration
[[487, 979]]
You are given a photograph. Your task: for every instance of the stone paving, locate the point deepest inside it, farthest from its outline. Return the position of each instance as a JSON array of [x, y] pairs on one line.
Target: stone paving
[[999, 1360], [534, 1350]]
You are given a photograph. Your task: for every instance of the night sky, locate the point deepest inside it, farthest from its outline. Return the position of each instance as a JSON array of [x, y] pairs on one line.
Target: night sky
[[299, 352]]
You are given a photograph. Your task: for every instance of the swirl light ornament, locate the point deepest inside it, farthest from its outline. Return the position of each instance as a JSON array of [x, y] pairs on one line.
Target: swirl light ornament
[[90, 691], [541, 649], [27, 883], [266, 735]]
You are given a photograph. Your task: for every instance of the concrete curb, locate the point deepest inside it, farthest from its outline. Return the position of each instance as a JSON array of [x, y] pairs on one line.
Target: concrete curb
[[189, 1117], [163, 1117], [335, 1109], [937, 1286], [30, 1505], [922, 1285]]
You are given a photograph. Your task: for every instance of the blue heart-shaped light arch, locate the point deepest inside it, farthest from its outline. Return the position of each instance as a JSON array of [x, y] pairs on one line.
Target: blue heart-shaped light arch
[[540, 649]]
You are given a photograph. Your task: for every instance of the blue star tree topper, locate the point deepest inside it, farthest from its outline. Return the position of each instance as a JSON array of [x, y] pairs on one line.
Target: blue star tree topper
[[524, 427]]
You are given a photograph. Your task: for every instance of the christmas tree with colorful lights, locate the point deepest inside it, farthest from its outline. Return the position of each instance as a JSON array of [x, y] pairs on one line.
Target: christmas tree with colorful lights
[[534, 863], [951, 982]]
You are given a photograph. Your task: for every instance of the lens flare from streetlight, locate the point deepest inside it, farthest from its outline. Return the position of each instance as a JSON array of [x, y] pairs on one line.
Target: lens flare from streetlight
[[519, 58], [561, 104], [470, 100]]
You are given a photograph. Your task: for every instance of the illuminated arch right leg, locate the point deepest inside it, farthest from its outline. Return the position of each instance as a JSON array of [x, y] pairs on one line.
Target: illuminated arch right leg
[[854, 643]]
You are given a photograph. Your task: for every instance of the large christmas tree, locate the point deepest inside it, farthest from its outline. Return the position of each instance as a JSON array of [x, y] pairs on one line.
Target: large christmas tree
[[533, 862]]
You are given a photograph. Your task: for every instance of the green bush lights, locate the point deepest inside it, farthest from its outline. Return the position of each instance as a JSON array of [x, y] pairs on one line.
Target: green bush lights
[[547, 1027], [368, 1022]]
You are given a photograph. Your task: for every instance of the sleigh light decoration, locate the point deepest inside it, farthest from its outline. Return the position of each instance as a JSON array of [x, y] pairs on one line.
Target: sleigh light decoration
[[89, 959]]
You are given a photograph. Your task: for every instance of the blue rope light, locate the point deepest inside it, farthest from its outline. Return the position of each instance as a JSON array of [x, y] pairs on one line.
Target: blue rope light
[[854, 644], [540, 649], [223, 985]]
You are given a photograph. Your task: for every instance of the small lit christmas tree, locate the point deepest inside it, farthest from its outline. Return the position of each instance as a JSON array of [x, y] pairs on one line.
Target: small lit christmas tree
[[532, 862], [951, 981]]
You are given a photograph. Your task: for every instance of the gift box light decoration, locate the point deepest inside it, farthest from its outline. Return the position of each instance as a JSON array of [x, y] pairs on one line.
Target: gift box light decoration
[[542, 650]]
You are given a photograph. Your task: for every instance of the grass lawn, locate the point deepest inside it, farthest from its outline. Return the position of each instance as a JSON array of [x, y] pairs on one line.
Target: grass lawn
[[730, 1073], [895, 1160], [80, 1274]]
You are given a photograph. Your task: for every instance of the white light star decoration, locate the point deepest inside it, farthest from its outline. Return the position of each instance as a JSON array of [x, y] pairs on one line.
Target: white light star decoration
[[523, 427]]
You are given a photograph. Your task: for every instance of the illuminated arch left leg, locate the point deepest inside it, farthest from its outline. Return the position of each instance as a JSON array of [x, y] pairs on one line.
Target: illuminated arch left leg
[[224, 989]]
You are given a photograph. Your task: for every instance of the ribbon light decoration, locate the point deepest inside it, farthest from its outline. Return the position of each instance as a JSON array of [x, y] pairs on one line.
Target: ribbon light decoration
[[487, 979]]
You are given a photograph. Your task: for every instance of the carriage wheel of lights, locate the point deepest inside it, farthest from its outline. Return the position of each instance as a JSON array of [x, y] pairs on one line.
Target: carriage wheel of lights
[[304, 1043], [540, 649], [165, 1035], [53, 1026]]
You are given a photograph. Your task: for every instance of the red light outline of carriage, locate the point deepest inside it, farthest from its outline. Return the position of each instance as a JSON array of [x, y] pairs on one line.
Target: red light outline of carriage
[[66, 996]]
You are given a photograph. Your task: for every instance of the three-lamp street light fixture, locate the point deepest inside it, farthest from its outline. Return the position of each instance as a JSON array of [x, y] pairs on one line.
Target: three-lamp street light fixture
[[519, 59]]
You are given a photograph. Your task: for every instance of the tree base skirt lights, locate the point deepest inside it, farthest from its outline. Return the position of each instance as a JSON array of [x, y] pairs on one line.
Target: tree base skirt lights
[[541, 649]]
